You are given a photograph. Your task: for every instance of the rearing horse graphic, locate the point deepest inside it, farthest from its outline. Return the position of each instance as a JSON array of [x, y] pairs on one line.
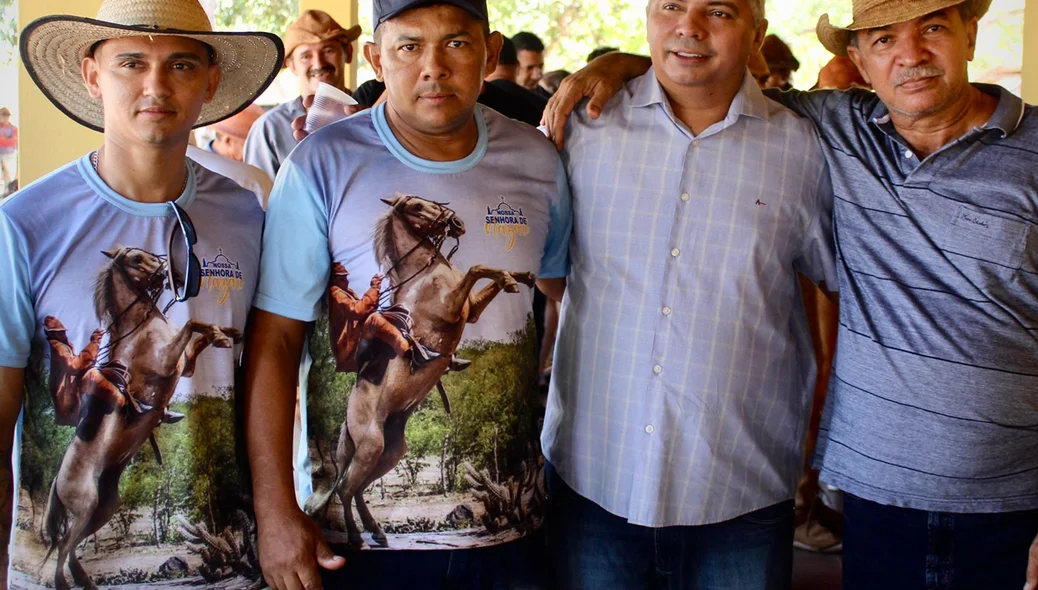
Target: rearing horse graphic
[[439, 301], [117, 406]]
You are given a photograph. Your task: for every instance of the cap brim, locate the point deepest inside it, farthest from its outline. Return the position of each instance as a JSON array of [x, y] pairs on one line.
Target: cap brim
[[52, 49]]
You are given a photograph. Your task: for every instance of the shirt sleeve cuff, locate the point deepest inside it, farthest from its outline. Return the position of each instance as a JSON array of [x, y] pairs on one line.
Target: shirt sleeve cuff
[[270, 305], [14, 361]]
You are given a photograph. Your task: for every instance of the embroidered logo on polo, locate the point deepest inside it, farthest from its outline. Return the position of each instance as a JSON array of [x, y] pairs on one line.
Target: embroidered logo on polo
[[223, 275], [507, 221]]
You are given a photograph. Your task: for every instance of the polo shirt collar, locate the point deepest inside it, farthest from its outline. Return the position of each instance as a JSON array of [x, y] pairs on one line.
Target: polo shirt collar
[[749, 101], [1006, 118]]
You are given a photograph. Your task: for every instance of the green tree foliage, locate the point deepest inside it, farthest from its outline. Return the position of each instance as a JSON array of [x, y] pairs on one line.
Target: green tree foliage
[[272, 16]]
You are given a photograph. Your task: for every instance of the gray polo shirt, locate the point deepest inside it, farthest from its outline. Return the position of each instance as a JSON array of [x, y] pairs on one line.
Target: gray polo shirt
[[270, 139], [933, 402]]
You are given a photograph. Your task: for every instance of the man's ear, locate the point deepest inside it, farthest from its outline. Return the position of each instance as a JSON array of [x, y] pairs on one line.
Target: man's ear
[[494, 43], [91, 70], [374, 57], [349, 52], [859, 61], [215, 75], [971, 35], [759, 35]]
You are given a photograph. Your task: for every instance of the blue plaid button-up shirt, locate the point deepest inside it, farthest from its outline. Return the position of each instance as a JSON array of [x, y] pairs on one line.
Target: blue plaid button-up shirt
[[684, 368]]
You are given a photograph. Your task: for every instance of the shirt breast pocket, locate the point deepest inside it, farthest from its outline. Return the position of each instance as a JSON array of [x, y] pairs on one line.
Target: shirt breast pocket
[[994, 245]]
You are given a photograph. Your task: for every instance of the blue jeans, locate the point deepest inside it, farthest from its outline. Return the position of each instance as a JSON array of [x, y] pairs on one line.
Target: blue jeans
[[594, 549], [518, 565], [903, 549]]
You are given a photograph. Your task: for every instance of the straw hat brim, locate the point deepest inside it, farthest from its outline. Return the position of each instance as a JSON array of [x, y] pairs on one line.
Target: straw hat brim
[[836, 39], [52, 49]]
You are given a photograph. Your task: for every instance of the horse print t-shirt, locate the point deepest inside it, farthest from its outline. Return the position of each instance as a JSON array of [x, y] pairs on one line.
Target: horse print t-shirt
[[126, 461], [420, 408]]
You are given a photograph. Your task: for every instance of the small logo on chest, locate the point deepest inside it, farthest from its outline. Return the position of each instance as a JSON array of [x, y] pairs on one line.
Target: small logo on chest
[[223, 275], [507, 221], [761, 203]]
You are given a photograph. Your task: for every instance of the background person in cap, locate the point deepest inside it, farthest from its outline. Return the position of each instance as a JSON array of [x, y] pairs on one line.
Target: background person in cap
[[123, 319], [929, 421], [8, 151], [781, 62], [378, 204], [317, 50], [223, 154]]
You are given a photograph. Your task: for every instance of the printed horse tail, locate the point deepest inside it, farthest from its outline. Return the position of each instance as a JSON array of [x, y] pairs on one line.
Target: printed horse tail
[[55, 521]]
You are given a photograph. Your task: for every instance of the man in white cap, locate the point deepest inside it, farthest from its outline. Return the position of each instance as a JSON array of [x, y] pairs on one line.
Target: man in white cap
[[930, 423], [122, 317], [317, 50]]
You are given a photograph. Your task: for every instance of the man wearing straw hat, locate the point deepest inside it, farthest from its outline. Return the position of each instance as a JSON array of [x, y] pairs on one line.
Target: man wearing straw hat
[[317, 50], [931, 424], [126, 278]]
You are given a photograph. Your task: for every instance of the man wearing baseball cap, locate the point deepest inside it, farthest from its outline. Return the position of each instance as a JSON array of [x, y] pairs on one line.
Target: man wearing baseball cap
[[126, 278], [930, 420], [416, 218], [317, 50]]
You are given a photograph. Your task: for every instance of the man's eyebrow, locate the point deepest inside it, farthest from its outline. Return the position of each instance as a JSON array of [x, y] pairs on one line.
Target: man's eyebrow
[[128, 55], [732, 5], [185, 55]]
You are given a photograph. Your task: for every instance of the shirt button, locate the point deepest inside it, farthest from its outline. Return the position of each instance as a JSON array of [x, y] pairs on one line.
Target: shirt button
[[650, 429], [657, 369], [667, 311], [909, 154], [695, 143], [675, 252], [685, 197]]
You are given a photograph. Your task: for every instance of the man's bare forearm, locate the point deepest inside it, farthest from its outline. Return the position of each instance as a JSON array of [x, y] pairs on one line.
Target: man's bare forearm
[[273, 349], [11, 381]]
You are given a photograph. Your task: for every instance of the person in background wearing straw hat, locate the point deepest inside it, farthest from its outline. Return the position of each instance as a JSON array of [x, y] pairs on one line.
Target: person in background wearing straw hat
[[931, 423], [126, 277], [223, 154], [384, 198], [317, 50]]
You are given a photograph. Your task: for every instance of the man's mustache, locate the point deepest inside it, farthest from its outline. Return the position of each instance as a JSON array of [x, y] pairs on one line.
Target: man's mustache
[[317, 71], [917, 73]]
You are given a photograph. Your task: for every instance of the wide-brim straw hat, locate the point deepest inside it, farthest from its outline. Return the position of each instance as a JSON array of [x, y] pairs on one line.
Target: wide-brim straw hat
[[871, 14], [53, 47]]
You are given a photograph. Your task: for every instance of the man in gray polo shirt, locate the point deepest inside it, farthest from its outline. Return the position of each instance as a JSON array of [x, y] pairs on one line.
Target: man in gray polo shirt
[[931, 425]]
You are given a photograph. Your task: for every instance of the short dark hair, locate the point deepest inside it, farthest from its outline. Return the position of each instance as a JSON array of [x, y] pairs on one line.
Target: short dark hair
[[508, 53], [525, 41], [600, 52]]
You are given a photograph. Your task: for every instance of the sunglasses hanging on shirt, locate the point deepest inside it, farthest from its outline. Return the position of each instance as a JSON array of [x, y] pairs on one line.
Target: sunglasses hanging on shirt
[[183, 271]]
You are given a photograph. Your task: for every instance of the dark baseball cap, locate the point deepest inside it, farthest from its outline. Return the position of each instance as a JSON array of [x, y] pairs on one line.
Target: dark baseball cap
[[387, 9]]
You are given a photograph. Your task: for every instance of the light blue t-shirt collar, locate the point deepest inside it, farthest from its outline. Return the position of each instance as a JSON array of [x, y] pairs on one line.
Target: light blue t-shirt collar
[[93, 179], [421, 165]]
